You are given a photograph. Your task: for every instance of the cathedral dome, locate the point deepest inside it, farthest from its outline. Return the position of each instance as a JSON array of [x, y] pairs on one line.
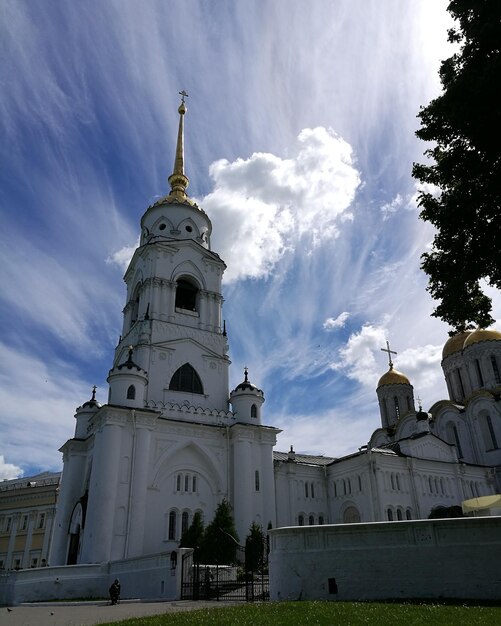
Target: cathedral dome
[[455, 344], [393, 377], [482, 334]]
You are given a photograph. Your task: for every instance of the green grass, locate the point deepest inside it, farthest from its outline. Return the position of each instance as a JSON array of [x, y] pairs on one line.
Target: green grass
[[328, 614]]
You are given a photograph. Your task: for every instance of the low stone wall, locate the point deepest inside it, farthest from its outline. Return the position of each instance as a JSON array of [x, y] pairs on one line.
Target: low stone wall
[[149, 577], [451, 558]]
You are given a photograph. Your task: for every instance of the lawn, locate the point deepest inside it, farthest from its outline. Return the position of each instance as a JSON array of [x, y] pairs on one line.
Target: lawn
[[328, 614]]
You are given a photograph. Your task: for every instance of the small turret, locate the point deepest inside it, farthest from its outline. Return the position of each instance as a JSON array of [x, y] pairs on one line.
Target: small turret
[[247, 400], [84, 414], [395, 394], [128, 383]]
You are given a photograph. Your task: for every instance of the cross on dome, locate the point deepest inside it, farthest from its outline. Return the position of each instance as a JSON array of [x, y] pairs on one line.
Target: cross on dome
[[390, 352]]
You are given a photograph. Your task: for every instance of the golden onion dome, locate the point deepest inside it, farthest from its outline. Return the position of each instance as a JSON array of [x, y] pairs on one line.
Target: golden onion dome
[[482, 334], [455, 344], [393, 377]]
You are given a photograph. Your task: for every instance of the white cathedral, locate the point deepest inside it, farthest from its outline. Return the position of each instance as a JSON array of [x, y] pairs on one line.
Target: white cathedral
[[173, 440]]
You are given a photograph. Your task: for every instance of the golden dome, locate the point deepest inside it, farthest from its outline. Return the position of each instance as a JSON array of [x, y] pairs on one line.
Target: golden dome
[[393, 377], [482, 334], [455, 343]]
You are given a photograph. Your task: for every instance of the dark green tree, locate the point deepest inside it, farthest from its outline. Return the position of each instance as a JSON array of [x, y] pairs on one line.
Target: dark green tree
[[193, 537], [255, 546], [464, 122], [221, 539]]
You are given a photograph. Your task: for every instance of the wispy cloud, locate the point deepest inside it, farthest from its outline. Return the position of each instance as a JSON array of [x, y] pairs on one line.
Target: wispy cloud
[[332, 323]]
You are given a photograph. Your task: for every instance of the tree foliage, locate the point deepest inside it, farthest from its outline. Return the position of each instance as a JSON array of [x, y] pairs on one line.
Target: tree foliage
[[461, 193], [193, 537], [255, 546], [221, 539]]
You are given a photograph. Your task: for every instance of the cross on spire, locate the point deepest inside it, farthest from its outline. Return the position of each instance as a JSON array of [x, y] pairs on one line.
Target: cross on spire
[[390, 352], [246, 373], [183, 95], [94, 392]]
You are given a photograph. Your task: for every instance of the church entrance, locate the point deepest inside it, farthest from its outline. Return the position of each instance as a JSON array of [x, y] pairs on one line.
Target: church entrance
[[224, 583], [74, 532]]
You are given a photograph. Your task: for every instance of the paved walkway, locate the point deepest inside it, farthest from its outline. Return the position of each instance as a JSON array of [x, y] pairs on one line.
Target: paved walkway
[[90, 613]]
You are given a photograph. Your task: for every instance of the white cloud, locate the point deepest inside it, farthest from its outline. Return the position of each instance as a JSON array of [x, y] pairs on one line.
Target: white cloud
[[265, 205], [331, 323], [8, 470], [392, 207], [121, 258], [356, 357]]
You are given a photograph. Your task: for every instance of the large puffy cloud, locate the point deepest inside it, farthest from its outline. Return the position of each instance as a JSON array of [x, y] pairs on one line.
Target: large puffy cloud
[[8, 470], [265, 205]]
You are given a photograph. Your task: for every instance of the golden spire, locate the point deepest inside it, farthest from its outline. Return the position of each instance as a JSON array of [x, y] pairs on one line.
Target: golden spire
[[177, 180]]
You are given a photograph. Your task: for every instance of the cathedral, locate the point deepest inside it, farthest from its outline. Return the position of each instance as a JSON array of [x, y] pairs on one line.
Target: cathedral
[[173, 440]]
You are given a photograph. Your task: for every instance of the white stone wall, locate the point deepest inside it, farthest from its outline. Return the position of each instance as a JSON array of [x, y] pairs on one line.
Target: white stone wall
[[450, 558]]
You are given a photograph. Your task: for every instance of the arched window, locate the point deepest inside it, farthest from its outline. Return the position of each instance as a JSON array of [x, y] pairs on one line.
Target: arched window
[[389, 514], [184, 522], [321, 520], [397, 407], [305, 490], [131, 393], [360, 483], [194, 484], [479, 373], [311, 520], [453, 437], [186, 483], [399, 514], [351, 515], [408, 514], [178, 482], [488, 432], [253, 410], [312, 490], [300, 520], [135, 305], [172, 525], [256, 480], [186, 295], [495, 370], [186, 379], [397, 482]]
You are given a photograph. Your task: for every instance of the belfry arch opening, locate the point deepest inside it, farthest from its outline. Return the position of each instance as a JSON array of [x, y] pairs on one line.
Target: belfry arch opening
[[186, 294], [186, 379]]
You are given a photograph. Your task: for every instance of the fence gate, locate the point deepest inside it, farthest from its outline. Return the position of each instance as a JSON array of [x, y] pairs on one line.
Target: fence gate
[[224, 583]]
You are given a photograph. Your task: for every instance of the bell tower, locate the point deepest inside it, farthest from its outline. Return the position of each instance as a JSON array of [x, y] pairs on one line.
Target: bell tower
[[172, 317]]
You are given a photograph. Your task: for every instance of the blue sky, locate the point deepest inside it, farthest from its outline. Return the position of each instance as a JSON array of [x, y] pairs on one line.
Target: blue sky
[[299, 145]]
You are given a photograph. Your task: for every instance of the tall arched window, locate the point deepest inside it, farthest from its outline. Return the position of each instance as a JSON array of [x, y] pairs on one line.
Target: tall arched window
[[495, 369], [135, 305], [253, 410], [488, 433], [300, 520], [389, 513], [184, 522], [186, 379], [131, 393], [194, 484], [256, 480], [397, 407], [399, 514], [311, 520], [186, 295], [172, 525]]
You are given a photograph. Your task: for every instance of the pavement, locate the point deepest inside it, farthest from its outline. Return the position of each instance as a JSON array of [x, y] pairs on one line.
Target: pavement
[[90, 613]]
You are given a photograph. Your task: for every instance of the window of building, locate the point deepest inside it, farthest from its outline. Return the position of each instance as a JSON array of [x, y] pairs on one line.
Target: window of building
[[495, 370], [253, 410], [256, 480], [186, 379], [186, 483], [399, 514], [8, 524], [24, 523], [186, 295], [135, 305], [312, 488], [389, 514], [194, 482], [460, 382], [41, 520], [178, 482], [321, 520], [305, 490], [360, 483], [408, 514], [479, 373], [300, 520], [131, 393], [172, 525], [34, 562], [397, 407], [488, 432], [184, 521], [311, 520]]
